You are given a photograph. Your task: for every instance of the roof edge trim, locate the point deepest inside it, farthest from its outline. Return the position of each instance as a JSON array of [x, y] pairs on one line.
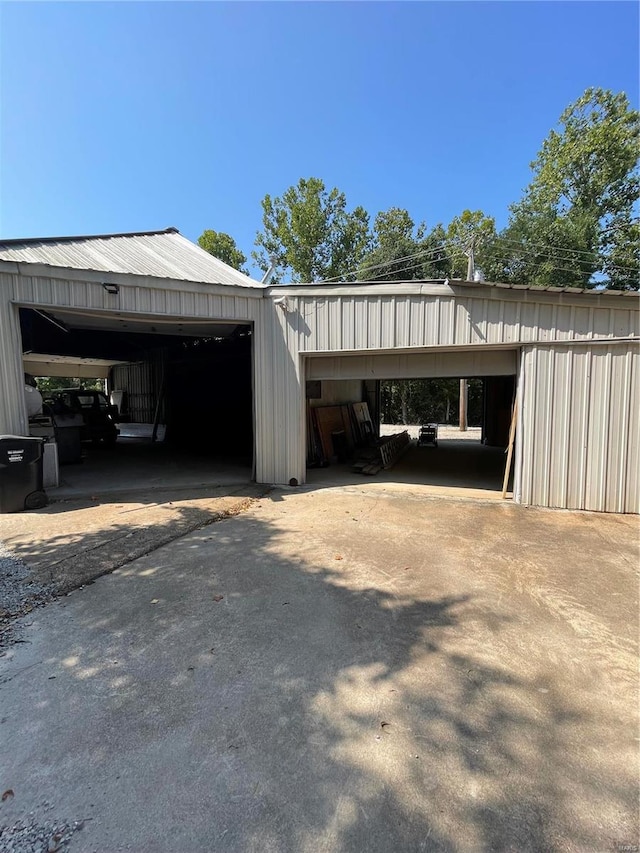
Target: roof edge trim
[[67, 239]]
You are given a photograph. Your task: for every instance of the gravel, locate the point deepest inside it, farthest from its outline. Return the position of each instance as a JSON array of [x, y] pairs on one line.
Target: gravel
[[19, 594], [28, 835]]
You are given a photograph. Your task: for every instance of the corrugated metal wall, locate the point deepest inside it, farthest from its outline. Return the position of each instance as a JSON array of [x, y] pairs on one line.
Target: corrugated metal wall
[[580, 427], [154, 297], [393, 316], [151, 297], [13, 411], [322, 323], [141, 380], [424, 365]]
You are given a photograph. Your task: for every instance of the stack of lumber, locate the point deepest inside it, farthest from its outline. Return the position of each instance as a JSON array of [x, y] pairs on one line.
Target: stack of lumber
[[351, 422], [392, 447], [387, 452]]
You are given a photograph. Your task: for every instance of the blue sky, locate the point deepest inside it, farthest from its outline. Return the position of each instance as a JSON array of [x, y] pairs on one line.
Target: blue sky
[[136, 116]]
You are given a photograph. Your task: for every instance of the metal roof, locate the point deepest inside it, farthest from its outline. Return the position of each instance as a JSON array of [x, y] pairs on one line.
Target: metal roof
[[594, 291], [341, 287], [161, 254]]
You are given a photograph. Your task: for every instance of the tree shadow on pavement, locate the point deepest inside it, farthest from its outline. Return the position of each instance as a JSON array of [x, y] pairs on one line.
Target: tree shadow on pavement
[[237, 691]]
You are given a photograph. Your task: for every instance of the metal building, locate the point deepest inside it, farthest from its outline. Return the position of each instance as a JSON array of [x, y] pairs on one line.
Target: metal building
[[574, 354]]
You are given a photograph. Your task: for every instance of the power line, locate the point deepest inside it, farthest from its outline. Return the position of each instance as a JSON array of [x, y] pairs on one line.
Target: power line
[[416, 266], [551, 255], [547, 247], [559, 269], [561, 253], [419, 254]]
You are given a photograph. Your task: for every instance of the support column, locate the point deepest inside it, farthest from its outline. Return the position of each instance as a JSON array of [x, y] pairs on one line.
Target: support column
[[13, 410]]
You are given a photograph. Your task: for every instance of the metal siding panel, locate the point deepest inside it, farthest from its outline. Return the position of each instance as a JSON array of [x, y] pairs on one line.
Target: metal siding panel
[[478, 310], [401, 336], [632, 484], [360, 323], [318, 309], [416, 321], [564, 322], [601, 323], [388, 322], [545, 323], [529, 321], [348, 324], [560, 456], [581, 323], [623, 322], [597, 439], [510, 327], [334, 323], [13, 412], [446, 322], [495, 317], [526, 430], [431, 336], [619, 430], [462, 325], [578, 425], [413, 365], [542, 438], [580, 428]]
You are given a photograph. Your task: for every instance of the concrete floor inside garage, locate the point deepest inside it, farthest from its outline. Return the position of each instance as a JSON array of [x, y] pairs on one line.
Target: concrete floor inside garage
[[137, 464], [460, 466]]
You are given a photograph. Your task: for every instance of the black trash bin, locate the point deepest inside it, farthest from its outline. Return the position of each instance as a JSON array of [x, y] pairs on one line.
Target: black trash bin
[[21, 473]]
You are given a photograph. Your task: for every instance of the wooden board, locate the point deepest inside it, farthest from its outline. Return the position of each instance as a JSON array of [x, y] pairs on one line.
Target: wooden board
[[364, 422], [329, 419]]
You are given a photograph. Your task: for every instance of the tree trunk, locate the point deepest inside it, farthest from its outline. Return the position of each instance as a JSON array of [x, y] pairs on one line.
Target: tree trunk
[[404, 403]]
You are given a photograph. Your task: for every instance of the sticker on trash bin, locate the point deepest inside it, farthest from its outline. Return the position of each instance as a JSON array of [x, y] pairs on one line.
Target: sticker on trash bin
[[15, 455]]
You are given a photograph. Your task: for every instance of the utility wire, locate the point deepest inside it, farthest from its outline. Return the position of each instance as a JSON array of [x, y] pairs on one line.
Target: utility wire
[[560, 255], [421, 253], [506, 258], [413, 267], [546, 248]]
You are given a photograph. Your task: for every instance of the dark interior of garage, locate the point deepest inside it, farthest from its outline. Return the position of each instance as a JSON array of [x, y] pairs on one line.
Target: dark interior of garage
[[191, 388]]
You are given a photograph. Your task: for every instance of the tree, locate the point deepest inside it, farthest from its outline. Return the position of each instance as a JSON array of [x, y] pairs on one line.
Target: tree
[[401, 252], [310, 234], [48, 384], [419, 401], [223, 247], [471, 231], [576, 218]]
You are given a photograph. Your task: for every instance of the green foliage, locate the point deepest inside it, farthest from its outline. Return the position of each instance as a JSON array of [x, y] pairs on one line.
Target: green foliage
[[401, 252], [576, 217], [418, 401], [471, 231], [311, 235], [49, 384], [223, 247], [576, 225]]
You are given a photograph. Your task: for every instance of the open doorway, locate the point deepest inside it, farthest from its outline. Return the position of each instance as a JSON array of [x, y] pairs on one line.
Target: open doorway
[[179, 397], [417, 419], [442, 453]]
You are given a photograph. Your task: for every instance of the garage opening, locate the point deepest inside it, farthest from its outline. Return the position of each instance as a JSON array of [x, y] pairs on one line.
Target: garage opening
[[406, 430], [140, 403]]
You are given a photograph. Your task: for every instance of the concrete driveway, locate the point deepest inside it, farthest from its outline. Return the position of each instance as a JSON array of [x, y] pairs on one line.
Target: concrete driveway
[[348, 669]]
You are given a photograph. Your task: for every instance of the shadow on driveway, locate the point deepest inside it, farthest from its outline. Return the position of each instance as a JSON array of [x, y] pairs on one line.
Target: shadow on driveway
[[276, 683]]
